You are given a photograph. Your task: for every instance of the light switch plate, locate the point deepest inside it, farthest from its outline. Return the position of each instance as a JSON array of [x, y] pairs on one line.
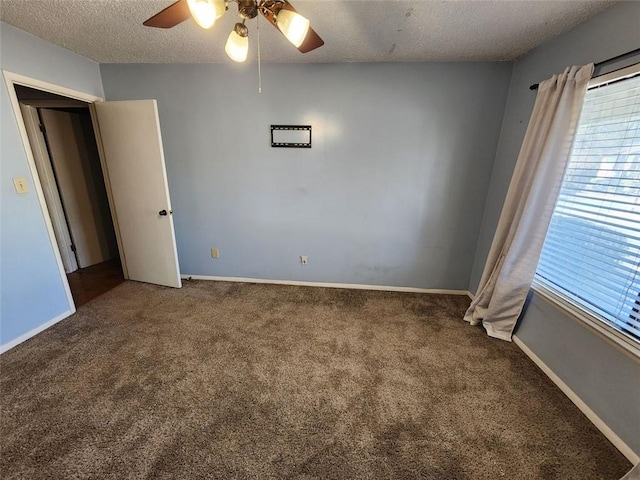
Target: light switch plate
[[20, 184]]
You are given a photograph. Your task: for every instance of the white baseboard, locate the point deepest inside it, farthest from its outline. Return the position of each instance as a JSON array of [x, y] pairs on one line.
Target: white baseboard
[[35, 331], [353, 286], [632, 456]]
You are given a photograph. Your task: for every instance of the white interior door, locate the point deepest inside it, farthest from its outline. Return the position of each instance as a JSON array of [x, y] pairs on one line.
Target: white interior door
[[49, 187], [135, 168], [81, 186]]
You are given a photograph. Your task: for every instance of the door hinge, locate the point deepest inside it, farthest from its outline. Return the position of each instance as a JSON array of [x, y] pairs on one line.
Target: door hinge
[[42, 129], [73, 248]]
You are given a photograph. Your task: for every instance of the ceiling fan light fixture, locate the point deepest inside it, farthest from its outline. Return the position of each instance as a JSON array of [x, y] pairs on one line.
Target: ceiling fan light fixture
[[293, 25], [206, 12], [237, 46]]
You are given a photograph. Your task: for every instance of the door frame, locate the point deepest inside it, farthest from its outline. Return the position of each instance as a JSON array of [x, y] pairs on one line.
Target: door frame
[[11, 79]]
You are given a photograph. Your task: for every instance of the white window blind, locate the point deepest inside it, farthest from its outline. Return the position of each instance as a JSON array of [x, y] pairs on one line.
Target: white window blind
[[592, 250]]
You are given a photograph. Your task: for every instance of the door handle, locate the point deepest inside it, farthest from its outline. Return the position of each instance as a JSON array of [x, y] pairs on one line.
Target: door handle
[[162, 213]]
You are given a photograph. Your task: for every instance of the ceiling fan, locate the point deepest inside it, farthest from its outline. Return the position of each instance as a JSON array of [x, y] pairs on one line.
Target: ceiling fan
[[279, 13]]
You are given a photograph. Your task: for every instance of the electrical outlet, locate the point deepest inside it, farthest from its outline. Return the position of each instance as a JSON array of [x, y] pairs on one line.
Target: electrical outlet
[[304, 260], [215, 253]]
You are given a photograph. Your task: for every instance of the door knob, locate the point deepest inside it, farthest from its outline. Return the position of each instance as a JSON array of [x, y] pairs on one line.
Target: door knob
[[162, 213]]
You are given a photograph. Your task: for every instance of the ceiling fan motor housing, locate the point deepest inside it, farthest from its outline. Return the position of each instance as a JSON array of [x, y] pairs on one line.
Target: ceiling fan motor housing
[[248, 9]]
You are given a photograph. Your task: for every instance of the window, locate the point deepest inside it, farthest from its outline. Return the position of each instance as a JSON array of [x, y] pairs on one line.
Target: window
[[591, 255]]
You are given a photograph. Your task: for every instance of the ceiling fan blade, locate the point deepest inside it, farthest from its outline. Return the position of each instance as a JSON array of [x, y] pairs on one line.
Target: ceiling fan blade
[[171, 16], [311, 41]]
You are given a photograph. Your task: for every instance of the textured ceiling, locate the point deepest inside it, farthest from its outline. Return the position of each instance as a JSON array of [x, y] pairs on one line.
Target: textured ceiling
[[111, 31]]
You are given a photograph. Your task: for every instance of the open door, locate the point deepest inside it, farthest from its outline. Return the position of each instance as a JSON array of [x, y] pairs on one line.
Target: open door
[[134, 159]]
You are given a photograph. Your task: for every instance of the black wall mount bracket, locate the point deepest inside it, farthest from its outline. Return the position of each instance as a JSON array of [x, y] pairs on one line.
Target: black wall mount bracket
[[291, 136]]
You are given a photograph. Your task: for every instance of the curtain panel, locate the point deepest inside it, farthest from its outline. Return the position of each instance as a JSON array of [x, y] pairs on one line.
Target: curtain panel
[[528, 207]]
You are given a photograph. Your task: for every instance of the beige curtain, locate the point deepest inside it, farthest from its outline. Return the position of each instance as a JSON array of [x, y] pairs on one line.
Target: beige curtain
[[527, 210]]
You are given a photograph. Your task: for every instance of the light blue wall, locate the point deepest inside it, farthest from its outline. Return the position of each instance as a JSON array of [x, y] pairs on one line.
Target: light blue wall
[[31, 291], [391, 193], [604, 377], [608, 34], [601, 375]]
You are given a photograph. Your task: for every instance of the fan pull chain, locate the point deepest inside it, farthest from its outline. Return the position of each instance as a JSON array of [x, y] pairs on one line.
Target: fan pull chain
[[259, 71]]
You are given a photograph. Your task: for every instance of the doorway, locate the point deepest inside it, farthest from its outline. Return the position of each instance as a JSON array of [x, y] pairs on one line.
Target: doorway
[[63, 141], [129, 142]]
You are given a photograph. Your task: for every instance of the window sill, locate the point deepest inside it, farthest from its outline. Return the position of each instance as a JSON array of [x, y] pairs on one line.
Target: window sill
[[587, 319]]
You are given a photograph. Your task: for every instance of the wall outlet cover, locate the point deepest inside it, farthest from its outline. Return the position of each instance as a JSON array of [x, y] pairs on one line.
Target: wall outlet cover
[[20, 184]]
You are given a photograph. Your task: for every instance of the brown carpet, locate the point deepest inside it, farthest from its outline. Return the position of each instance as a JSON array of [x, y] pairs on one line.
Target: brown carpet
[[220, 380]]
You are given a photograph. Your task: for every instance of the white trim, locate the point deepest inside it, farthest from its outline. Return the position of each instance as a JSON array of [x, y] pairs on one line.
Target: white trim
[[587, 319], [31, 333], [45, 103], [471, 295], [353, 286], [632, 456], [49, 186], [12, 79], [616, 75], [15, 78]]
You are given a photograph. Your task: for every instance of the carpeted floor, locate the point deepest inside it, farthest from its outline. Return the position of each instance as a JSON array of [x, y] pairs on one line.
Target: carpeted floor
[[221, 380]]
